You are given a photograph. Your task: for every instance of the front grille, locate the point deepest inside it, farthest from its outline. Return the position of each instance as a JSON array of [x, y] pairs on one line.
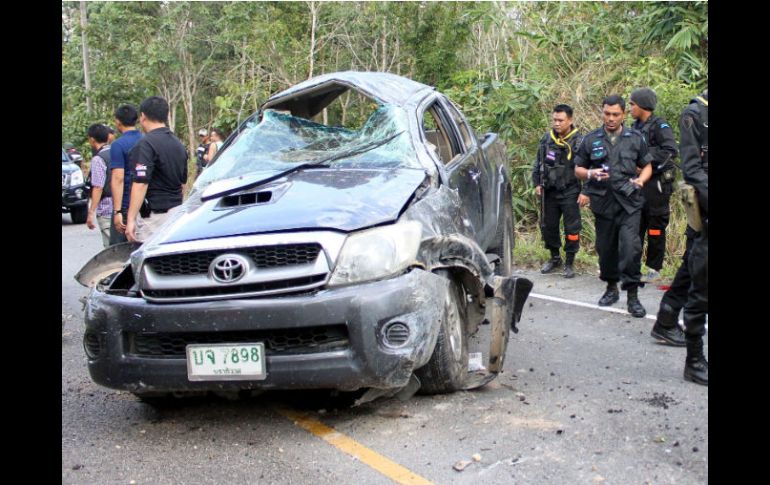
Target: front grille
[[235, 289], [277, 341], [263, 257]]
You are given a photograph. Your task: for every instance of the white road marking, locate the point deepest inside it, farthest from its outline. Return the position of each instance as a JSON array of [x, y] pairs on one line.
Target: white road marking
[[597, 307], [585, 305]]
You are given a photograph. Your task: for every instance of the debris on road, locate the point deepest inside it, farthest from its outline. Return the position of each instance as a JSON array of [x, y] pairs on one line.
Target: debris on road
[[461, 465]]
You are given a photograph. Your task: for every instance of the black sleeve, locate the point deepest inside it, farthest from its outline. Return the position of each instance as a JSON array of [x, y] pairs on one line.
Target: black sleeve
[[537, 165], [644, 154], [142, 161], [689, 150], [582, 157], [576, 144]]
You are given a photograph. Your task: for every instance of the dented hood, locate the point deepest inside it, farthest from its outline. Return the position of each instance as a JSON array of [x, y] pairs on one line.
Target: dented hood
[[338, 199]]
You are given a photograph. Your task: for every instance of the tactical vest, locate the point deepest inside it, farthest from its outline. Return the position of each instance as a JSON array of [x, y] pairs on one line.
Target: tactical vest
[[104, 154], [558, 170], [650, 132]]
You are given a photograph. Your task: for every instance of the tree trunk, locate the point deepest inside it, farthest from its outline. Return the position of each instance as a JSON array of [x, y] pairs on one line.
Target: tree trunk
[[86, 69], [313, 23], [384, 44], [172, 115]]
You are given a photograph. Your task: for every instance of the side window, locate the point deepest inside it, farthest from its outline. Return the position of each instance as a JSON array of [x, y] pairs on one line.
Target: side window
[[465, 131], [440, 135]]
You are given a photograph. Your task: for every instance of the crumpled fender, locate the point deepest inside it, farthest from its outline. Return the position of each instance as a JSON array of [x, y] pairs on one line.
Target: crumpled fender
[[496, 302], [108, 261]]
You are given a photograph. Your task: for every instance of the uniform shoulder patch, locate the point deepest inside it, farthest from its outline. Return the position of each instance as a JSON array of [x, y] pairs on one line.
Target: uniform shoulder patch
[[665, 125]]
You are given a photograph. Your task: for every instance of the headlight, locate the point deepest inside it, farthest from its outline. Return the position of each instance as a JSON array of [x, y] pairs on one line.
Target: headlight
[[76, 178], [377, 253]]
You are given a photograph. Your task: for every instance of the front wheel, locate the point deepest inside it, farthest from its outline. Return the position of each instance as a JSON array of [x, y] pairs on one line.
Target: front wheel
[[446, 370], [79, 214]]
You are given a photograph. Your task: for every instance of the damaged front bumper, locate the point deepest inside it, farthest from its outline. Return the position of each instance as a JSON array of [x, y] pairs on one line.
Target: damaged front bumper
[[333, 339]]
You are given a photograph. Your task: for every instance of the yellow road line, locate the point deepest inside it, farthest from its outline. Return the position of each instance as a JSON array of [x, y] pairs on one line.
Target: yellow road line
[[387, 467]]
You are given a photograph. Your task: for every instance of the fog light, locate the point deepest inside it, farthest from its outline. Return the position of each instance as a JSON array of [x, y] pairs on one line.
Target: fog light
[[92, 345], [79, 193], [395, 334]]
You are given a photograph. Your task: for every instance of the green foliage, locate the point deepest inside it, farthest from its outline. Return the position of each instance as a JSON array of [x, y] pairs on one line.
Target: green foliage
[[506, 64]]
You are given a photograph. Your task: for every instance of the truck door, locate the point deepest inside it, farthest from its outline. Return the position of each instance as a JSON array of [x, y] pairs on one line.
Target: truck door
[[461, 165]]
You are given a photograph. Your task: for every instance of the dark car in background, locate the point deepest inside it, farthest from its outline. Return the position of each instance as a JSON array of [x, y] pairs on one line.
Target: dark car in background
[[74, 197], [315, 255]]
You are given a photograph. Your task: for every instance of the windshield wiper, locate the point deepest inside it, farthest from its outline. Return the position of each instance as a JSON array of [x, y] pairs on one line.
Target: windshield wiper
[[259, 181]]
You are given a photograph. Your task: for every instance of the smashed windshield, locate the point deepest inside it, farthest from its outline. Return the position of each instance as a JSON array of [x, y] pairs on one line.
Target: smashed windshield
[[281, 141]]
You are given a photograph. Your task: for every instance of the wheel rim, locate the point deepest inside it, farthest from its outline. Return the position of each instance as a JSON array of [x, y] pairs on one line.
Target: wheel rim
[[454, 326]]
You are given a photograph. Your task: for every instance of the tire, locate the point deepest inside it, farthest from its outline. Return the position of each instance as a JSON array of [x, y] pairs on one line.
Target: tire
[[447, 368], [79, 214], [504, 240]]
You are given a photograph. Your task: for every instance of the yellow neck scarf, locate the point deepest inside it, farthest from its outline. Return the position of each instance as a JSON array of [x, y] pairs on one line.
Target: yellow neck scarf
[[563, 141]]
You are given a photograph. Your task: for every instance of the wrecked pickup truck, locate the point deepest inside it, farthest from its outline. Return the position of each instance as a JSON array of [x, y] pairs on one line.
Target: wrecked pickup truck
[[313, 255]]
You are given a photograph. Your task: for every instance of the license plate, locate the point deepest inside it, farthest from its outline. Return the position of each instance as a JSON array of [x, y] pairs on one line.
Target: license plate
[[226, 362]]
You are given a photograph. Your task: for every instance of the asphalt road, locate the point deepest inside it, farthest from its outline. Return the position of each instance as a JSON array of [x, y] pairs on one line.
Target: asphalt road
[[586, 397]]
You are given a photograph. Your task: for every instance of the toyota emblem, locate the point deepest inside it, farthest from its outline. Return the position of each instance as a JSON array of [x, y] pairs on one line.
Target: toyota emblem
[[228, 268]]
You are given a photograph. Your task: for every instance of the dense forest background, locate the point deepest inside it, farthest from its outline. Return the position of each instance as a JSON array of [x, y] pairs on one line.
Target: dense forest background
[[506, 64]]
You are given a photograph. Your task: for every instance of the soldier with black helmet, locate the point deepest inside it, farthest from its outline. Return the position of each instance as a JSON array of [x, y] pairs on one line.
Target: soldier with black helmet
[[614, 161], [657, 192], [689, 290], [553, 176]]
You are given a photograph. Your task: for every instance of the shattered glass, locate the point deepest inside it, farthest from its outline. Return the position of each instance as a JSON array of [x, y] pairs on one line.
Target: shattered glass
[[281, 141]]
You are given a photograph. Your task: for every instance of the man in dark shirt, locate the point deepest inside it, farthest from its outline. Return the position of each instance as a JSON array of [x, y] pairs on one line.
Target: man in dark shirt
[[553, 176], [201, 151], [689, 290], [126, 117], [608, 158], [159, 161], [657, 192]]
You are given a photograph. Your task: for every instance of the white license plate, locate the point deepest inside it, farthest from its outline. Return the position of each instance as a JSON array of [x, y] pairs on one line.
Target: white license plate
[[226, 362]]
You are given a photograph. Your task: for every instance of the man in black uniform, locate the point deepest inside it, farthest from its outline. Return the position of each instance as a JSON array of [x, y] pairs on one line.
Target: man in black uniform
[[689, 289], [203, 149], [553, 176], [159, 162], [609, 158], [657, 192]]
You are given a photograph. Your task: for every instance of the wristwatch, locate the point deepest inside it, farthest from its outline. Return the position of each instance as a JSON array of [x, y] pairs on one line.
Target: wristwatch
[[117, 212]]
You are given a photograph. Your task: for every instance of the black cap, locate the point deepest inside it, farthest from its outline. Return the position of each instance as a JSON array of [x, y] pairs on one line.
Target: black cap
[[645, 98]]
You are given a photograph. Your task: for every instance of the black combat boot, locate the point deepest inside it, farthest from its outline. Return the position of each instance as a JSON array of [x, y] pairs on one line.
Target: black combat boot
[[696, 367], [568, 271], [666, 328], [610, 296], [635, 307], [551, 264]]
